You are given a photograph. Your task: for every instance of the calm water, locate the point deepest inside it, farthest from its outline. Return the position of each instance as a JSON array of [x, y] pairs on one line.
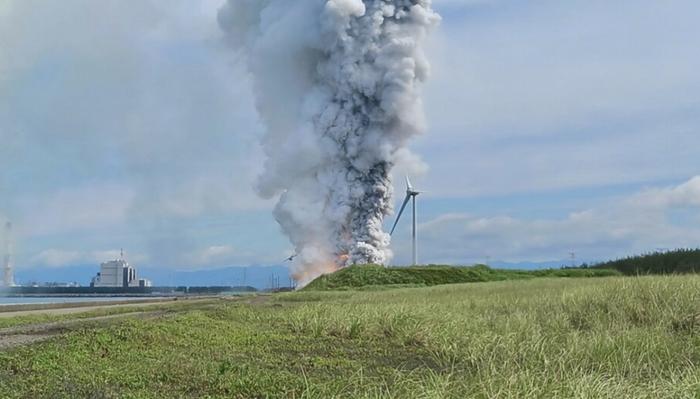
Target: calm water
[[61, 299]]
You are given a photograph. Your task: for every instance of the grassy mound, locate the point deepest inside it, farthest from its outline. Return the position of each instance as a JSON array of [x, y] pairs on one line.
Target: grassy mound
[[678, 261], [373, 275]]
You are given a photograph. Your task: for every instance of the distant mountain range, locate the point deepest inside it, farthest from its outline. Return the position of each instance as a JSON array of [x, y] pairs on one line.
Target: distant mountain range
[[255, 276]]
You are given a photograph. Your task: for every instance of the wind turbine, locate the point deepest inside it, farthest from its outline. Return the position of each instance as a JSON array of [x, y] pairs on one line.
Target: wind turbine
[[411, 194]]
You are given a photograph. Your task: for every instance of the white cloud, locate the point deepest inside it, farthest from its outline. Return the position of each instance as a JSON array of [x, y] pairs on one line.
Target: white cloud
[[75, 209], [214, 192], [534, 96], [224, 255], [118, 111], [683, 195], [633, 224], [55, 258], [119, 119], [213, 255]]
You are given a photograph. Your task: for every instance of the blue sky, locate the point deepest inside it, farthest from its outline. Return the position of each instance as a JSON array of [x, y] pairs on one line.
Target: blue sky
[[553, 127]]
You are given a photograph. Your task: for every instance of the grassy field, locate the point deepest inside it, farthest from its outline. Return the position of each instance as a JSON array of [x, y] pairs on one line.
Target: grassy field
[[568, 338], [368, 276]]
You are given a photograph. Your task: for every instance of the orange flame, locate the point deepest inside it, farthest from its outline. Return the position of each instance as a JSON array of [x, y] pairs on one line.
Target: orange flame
[[305, 275]]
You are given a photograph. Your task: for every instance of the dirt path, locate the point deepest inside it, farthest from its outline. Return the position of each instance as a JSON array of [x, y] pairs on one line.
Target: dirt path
[[28, 334], [80, 308], [11, 309], [31, 333]]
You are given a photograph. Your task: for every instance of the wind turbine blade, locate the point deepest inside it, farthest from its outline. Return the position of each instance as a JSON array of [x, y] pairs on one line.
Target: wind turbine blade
[[409, 187], [405, 202]]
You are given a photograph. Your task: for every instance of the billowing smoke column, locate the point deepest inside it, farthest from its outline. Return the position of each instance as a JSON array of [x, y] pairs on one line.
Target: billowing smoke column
[[336, 84]]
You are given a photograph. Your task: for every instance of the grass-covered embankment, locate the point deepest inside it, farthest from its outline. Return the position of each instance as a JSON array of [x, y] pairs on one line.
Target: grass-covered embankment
[[354, 277], [615, 337]]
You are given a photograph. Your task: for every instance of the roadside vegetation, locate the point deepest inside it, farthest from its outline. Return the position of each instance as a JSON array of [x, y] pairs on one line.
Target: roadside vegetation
[[609, 337], [368, 276]]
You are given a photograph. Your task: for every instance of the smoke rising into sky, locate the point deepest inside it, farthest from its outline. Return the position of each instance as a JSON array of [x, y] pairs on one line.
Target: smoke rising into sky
[[337, 85], [136, 128]]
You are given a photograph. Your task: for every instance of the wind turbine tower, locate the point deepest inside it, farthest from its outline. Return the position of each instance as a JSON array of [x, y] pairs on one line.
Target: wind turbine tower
[[411, 195], [8, 278]]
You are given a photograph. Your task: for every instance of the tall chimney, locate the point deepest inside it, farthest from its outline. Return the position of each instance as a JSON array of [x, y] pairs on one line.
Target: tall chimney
[[8, 278]]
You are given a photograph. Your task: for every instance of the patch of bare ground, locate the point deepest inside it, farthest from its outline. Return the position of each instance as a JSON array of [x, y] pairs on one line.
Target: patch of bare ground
[[68, 308], [32, 333]]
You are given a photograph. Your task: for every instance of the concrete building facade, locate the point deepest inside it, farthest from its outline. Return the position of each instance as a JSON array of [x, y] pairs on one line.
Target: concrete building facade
[[118, 273]]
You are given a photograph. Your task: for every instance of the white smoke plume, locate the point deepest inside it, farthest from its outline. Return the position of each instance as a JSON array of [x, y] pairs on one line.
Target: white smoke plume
[[337, 86]]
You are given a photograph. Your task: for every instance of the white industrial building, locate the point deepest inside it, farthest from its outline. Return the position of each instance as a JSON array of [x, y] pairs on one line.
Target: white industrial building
[[118, 273]]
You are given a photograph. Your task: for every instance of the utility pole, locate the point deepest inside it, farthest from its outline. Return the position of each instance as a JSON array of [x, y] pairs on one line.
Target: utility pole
[[573, 259]]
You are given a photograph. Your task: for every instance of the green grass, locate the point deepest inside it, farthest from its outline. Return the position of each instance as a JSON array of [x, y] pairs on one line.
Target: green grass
[[574, 338], [355, 277], [36, 318]]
